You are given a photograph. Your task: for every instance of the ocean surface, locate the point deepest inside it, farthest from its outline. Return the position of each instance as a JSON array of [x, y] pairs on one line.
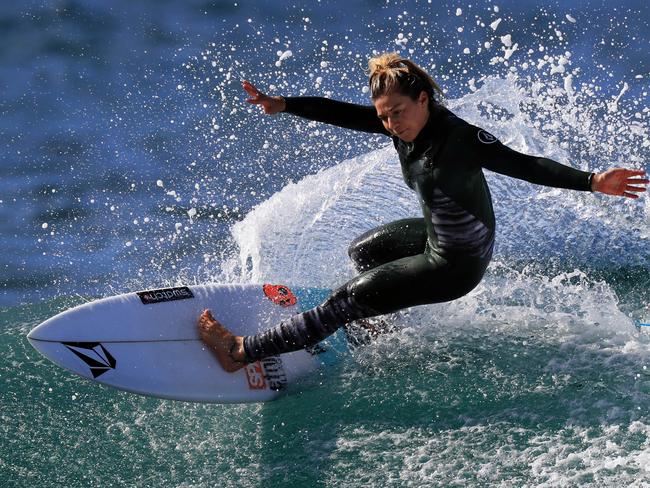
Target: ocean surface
[[129, 159]]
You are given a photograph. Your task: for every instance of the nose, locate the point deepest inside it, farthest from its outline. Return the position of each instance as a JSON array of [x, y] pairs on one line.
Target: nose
[[392, 126]]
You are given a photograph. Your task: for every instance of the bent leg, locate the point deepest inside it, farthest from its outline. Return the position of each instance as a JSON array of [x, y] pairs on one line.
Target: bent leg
[[406, 282], [307, 328], [406, 237], [416, 280], [399, 239]]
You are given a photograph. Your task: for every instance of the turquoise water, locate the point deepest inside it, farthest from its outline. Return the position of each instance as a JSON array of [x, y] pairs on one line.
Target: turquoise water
[[545, 404], [130, 161]]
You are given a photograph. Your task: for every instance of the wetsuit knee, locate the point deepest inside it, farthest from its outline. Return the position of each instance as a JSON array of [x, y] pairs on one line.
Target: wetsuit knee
[[388, 242], [358, 255], [416, 280]]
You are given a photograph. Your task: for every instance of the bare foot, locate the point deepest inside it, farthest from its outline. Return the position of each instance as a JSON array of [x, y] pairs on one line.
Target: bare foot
[[228, 347]]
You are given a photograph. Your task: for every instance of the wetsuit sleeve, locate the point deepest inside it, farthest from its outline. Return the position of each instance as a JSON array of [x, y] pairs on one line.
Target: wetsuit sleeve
[[491, 154], [347, 115]]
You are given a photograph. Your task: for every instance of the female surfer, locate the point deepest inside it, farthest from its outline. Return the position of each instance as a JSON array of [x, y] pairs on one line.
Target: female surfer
[[437, 258]]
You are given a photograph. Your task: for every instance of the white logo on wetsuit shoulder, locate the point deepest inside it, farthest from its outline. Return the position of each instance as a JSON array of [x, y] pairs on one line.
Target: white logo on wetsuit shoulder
[[485, 137]]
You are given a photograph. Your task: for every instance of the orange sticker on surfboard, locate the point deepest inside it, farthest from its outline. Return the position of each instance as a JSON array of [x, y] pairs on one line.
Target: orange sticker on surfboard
[[280, 295]]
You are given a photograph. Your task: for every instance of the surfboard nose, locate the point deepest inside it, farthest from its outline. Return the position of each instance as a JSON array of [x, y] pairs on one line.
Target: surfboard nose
[[36, 340], [46, 332], [34, 335]]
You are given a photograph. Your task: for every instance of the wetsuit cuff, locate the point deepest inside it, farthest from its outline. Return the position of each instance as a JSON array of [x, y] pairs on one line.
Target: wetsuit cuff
[[590, 181], [248, 357], [289, 103]]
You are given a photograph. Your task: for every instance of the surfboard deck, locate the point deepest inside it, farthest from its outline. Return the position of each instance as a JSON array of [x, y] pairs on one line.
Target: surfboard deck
[[148, 342]]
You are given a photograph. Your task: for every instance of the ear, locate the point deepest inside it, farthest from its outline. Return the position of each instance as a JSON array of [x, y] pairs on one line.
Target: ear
[[423, 99]]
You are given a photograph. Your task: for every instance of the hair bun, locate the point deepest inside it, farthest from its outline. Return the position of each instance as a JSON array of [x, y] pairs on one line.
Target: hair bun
[[386, 74], [388, 62]]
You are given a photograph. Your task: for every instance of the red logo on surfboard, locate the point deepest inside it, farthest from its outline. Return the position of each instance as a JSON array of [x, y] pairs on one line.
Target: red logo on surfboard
[[280, 295], [255, 376]]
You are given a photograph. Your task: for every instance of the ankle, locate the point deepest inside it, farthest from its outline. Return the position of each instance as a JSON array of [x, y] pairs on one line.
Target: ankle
[[238, 353]]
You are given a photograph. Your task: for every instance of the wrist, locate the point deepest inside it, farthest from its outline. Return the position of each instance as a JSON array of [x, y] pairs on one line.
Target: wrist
[[283, 103], [594, 182], [237, 352]]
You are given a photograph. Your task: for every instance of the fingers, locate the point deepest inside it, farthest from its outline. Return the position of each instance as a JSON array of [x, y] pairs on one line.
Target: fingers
[[636, 181], [629, 190], [249, 87], [632, 179], [634, 172], [625, 174], [254, 93], [207, 314], [634, 188]]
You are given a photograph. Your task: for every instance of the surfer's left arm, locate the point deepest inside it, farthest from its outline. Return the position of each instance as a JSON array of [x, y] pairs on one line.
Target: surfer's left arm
[[497, 157]]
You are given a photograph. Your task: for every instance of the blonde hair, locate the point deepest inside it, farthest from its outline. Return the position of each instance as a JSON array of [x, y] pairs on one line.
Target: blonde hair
[[390, 72]]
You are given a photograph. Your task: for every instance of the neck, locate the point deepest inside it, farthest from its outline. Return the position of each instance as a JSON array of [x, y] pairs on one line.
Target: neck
[[426, 122]]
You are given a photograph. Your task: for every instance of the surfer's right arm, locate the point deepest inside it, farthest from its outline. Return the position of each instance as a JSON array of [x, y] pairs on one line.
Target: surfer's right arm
[[347, 115]]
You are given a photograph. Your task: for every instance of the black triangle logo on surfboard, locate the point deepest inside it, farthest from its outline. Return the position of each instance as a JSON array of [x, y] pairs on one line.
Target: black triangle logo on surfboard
[[94, 354]]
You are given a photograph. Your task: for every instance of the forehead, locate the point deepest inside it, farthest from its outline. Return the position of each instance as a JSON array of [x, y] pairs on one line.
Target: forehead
[[386, 103]]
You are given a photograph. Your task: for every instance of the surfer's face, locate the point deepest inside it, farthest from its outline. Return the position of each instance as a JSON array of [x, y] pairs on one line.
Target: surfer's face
[[401, 115]]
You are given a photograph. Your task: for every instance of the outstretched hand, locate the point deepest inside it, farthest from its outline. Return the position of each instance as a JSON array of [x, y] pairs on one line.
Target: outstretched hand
[[620, 182], [271, 105]]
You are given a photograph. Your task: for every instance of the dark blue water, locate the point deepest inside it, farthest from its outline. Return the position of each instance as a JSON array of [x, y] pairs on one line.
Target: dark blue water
[[130, 160]]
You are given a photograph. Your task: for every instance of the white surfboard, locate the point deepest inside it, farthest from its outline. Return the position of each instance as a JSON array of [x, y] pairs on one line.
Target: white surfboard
[[148, 342]]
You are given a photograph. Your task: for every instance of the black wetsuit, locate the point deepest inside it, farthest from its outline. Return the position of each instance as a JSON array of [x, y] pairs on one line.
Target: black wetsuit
[[433, 259]]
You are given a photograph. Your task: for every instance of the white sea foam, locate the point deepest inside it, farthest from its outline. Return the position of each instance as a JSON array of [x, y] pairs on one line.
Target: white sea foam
[[497, 454], [300, 235]]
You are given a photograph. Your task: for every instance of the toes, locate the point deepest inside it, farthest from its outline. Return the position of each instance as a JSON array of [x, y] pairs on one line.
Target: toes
[[205, 319], [209, 327]]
